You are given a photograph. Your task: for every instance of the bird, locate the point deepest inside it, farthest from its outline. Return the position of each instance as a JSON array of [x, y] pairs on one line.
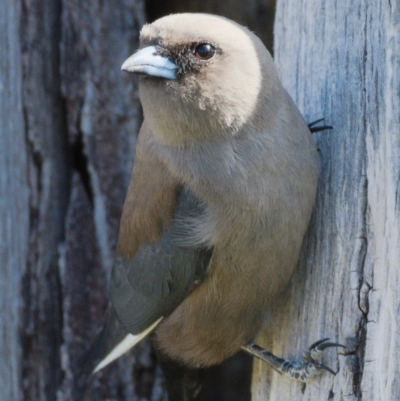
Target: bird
[[222, 190]]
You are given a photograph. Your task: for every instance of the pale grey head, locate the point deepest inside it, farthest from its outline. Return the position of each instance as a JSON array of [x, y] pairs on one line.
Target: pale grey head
[[205, 73]]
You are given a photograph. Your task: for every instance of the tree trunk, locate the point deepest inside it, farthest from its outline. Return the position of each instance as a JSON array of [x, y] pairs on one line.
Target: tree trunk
[[68, 120], [340, 60]]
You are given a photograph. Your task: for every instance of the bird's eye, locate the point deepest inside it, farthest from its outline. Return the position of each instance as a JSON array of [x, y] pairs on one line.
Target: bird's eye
[[204, 51]]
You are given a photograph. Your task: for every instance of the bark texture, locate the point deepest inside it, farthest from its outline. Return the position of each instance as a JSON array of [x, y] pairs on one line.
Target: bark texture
[[340, 60], [68, 121]]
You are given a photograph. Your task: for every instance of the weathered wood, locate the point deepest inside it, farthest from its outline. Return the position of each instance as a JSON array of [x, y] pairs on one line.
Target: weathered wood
[[48, 186], [66, 152], [14, 201], [340, 60]]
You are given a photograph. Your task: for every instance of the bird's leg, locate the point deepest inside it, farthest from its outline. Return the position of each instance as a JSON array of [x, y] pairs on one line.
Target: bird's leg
[[304, 371]]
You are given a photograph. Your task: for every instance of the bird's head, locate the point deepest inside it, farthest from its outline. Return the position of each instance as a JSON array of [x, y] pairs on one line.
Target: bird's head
[[202, 77]]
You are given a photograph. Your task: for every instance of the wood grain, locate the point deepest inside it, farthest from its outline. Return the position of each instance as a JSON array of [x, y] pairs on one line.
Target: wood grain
[[340, 60], [68, 124], [14, 215]]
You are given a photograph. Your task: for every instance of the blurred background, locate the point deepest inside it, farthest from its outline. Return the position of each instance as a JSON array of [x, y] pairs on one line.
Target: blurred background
[[69, 123]]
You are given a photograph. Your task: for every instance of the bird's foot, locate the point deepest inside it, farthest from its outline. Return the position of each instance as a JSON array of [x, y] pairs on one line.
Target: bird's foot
[[305, 371]]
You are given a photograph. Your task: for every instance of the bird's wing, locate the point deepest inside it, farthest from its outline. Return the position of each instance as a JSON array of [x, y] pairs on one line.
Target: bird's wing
[[155, 269], [152, 284]]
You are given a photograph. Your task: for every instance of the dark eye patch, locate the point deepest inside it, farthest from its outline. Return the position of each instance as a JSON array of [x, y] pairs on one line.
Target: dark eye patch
[[189, 57]]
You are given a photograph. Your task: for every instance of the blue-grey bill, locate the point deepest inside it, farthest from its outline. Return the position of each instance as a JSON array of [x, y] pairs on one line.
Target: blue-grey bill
[[147, 62]]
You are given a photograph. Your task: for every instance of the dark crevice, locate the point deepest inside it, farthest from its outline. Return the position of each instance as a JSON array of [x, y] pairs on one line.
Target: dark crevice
[[360, 358], [30, 310], [55, 278], [229, 381], [144, 375], [363, 305], [80, 164]]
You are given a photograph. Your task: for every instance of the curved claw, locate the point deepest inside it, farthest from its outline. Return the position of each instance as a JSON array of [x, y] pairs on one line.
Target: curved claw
[[317, 343], [312, 123], [327, 368], [316, 350], [321, 128], [323, 344], [313, 129], [328, 345]]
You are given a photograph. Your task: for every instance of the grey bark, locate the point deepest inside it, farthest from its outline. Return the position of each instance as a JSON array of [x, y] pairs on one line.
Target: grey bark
[[14, 207], [68, 120], [341, 60]]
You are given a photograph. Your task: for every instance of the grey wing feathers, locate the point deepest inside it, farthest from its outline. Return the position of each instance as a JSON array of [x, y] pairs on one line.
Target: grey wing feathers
[[161, 275]]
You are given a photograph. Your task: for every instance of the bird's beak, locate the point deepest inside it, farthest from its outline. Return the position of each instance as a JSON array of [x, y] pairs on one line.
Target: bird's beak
[[147, 62]]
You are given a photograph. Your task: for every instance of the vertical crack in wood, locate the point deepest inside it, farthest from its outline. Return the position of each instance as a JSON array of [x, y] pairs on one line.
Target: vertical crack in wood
[[361, 333], [364, 287], [80, 165]]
